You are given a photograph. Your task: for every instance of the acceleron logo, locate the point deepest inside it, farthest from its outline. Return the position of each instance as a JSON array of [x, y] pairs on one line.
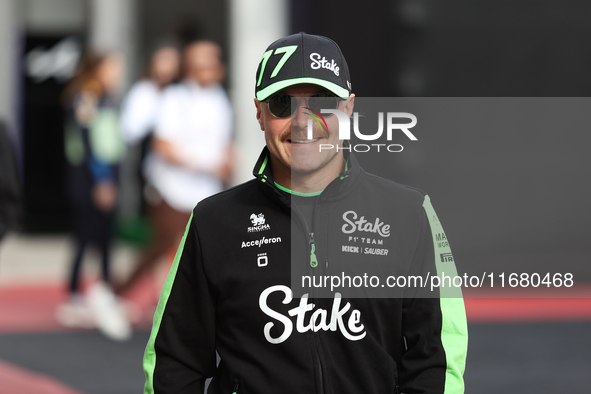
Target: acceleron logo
[[345, 130]]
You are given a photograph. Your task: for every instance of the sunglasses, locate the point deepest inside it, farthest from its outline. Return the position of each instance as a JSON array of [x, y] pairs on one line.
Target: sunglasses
[[280, 105]]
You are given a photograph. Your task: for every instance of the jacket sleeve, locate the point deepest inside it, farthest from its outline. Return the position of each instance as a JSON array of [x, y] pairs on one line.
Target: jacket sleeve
[[434, 326], [180, 354]]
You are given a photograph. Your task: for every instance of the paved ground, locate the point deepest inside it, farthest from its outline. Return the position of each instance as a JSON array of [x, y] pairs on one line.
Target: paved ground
[[37, 354], [540, 358], [516, 345], [84, 361]]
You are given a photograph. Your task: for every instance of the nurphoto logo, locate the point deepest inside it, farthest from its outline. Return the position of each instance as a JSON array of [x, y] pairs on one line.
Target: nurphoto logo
[[345, 130]]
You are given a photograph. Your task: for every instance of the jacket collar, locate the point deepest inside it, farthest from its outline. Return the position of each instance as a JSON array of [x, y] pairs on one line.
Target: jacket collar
[[339, 188]]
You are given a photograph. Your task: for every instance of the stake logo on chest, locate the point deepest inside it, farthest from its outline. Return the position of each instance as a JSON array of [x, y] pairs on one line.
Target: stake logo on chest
[[318, 320]]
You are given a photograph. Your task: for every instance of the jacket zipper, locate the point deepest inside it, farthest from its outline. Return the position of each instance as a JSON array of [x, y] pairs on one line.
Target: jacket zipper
[[313, 264], [313, 259], [235, 390]]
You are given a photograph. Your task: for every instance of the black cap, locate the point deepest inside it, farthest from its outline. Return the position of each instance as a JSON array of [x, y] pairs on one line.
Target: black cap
[[302, 59]]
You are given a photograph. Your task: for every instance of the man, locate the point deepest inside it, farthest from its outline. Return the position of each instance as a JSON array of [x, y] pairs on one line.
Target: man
[[229, 287]]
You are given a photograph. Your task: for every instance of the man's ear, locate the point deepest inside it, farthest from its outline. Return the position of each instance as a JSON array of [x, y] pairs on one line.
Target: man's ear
[[259, 106], [349, 105]]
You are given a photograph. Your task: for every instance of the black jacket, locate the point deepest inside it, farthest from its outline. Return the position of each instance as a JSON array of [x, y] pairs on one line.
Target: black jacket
[[229, 291]]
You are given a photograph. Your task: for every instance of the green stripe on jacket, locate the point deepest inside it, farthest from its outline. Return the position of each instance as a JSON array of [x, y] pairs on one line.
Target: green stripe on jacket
[[150, 353], [454, 328]]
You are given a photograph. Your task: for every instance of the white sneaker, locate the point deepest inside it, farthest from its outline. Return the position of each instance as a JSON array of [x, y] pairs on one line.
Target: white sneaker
[[75, 314], [110, 319]]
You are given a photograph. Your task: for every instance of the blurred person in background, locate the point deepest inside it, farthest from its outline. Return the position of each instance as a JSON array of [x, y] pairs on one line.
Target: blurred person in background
[[191, 148], [94, 150], [10, 187], [140, 106]]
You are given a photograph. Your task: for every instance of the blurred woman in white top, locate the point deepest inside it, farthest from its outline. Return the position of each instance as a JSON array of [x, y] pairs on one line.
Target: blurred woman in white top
[[140, 108], [191, 149]]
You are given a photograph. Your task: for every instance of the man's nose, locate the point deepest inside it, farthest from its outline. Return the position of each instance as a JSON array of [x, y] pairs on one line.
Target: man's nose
[[299, 119]]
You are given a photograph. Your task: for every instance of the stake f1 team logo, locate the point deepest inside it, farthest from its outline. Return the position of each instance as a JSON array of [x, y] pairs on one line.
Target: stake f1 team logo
[[353, 224]]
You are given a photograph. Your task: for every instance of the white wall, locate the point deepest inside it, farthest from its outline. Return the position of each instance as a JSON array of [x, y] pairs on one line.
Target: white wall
[[254, 25], [54, 16], [8, 62], [113, 27]]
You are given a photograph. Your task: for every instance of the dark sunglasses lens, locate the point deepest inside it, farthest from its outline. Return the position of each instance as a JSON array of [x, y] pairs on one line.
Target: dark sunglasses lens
[[280, 106], [323, 101]]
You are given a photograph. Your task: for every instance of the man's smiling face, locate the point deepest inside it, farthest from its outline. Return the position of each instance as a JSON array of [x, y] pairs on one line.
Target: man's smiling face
[[287, 138]]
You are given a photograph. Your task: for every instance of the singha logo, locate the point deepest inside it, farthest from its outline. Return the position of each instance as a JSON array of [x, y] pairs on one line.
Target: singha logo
[[258, 222]]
